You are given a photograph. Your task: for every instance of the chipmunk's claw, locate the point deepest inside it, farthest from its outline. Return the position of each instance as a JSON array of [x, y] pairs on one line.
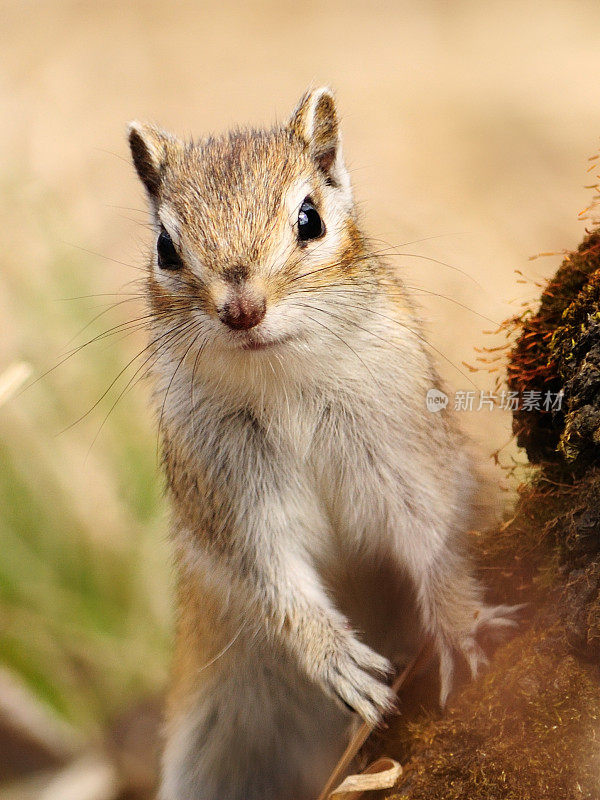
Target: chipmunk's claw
[[491, 620]]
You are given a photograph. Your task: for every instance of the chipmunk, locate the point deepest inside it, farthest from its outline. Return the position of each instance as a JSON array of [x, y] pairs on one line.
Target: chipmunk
[[318, 508]]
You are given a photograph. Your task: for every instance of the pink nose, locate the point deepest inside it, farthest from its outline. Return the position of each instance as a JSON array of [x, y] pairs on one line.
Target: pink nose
[[243, 311]]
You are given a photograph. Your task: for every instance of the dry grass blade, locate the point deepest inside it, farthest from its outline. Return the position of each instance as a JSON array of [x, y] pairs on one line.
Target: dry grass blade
[[381, 774], [91, 777], [12, 379], [362, 734]]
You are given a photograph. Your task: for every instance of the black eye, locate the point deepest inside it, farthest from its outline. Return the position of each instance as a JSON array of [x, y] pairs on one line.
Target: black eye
[[310, 224], [168, 257]]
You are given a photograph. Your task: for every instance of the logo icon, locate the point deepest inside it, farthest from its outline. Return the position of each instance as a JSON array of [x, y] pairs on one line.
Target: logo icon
[[436, 400]]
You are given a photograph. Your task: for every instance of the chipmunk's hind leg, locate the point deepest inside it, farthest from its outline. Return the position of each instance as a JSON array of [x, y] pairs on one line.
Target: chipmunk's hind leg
[[457, 618], [260, 732]]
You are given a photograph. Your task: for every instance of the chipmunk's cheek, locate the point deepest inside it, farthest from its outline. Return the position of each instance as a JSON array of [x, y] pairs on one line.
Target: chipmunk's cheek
[[283, 323]]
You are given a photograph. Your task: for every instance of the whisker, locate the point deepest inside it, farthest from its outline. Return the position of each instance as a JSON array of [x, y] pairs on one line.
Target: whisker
[[392, 250], [333, 287], [192, 401], [138, 323], [129, 363], [95, 318], [387, 342], [199, 328], [315, 308], [133, 282], [105, 257], [129, 384]]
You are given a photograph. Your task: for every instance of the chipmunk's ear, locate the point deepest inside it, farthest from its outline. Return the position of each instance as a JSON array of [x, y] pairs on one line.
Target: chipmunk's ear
[[315, 121], [150, 149]]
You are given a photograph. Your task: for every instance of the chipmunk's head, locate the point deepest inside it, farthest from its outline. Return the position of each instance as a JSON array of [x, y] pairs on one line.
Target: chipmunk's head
[[251, 228]]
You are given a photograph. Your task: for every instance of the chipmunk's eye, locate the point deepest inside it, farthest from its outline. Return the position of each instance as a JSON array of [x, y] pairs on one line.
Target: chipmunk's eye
[[168, 258], [310, 224]]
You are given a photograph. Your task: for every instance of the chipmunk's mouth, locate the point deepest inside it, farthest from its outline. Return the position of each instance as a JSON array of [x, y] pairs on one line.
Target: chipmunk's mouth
[[253, 343]]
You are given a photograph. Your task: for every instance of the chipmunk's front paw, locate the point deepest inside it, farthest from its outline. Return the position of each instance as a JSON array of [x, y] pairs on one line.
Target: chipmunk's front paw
[[350, 676], [491, 621]]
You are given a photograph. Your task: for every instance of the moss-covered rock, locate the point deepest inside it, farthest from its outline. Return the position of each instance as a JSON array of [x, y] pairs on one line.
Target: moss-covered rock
[[552, 344], [575, 348], [529, 729], [526, 731]]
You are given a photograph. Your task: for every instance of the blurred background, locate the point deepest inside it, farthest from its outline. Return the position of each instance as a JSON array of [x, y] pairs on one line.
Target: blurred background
[[467, 127]]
